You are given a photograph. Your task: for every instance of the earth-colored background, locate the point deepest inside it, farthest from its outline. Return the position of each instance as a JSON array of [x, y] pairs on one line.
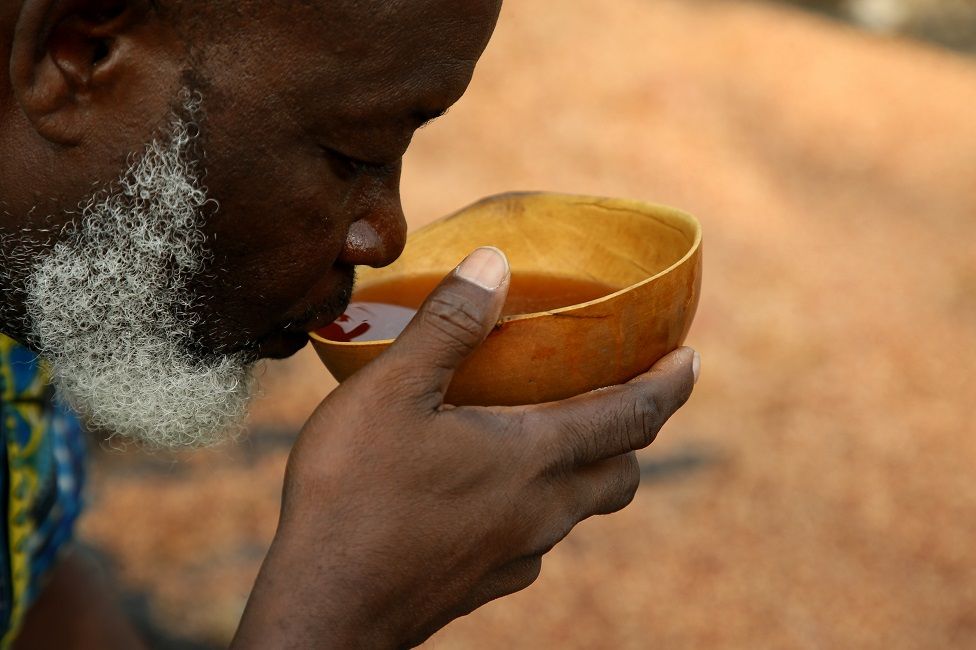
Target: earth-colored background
[[819, 490]]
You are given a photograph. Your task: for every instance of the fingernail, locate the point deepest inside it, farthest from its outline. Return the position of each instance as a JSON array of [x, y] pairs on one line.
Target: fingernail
[[696, 365], [486, 267]]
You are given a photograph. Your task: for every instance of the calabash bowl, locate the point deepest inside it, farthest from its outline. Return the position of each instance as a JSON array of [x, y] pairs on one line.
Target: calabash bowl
[[649, 255]]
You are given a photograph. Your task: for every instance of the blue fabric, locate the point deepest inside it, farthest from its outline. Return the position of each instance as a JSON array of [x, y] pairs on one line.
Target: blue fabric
[[41, 481]]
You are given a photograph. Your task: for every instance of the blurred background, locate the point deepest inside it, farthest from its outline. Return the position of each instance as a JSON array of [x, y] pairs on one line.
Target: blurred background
[[819, 490]]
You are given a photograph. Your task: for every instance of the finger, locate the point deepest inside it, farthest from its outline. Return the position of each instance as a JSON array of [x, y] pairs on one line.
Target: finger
[[452, 322], [607, 486], [614, 421]]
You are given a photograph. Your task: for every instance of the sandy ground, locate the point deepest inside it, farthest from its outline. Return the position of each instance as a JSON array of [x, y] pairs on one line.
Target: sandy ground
[[819, 490]]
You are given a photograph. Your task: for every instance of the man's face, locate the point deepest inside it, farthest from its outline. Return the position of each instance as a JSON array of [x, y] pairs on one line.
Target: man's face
[[292, 119], [307, 113]]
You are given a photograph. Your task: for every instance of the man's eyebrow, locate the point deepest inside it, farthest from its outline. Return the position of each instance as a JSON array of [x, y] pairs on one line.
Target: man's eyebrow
[[423, 118]]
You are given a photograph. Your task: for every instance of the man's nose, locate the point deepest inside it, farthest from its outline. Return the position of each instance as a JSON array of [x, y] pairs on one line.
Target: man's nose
[[377, 237]]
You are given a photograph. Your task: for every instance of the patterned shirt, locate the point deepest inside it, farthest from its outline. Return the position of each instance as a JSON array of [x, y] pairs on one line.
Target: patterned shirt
[[41, 475]]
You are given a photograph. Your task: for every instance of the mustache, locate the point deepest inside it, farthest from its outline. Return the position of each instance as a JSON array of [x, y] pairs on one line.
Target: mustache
[[296, 326], [333, 307]]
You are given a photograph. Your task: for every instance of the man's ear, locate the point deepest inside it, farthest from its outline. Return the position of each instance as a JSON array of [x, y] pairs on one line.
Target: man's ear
[[66, 57]]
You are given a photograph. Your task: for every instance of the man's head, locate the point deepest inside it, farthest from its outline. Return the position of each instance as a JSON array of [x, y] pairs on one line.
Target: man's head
[[187, 186]]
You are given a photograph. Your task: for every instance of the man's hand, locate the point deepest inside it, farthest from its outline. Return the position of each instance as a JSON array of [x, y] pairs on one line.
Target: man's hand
[[401, 513]]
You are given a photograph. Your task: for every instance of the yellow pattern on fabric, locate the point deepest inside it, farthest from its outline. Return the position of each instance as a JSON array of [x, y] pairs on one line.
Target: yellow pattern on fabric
[[24, 485]]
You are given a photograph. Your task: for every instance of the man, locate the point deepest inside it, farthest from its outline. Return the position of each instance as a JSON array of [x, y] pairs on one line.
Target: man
[[186, 188]]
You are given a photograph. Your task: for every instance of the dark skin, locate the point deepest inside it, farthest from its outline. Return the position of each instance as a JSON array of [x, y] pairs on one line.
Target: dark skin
[[399, 512], [294, 92]]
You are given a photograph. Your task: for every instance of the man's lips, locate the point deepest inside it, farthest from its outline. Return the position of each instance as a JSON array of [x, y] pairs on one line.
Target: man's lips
[[286, 341], [317, 322], [287, 338], [321, 306], [324, 303]]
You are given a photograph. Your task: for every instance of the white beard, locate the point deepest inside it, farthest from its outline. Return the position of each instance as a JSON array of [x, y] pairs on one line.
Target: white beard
[[111, 311]]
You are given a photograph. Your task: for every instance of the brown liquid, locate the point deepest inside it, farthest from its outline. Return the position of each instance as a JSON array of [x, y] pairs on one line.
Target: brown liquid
[[383, 310]]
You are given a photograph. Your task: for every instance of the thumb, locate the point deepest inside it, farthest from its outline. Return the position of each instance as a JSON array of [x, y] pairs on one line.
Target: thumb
[[452, 322]]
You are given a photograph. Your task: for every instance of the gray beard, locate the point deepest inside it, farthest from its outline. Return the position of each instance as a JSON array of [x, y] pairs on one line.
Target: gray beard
[[110, 308]]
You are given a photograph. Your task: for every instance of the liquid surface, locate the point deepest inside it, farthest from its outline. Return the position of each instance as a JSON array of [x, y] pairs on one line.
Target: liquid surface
[[383, 310], [368, 321]]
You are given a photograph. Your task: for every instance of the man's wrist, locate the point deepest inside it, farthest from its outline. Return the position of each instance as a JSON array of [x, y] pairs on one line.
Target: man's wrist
[[292, 606]]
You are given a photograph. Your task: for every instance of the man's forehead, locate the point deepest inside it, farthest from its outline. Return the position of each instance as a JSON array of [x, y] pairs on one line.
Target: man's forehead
[[410, 56], [438, 33], [352, 20]]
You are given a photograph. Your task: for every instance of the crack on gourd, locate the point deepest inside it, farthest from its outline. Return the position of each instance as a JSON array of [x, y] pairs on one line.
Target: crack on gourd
[[578, 316], [657, 219]]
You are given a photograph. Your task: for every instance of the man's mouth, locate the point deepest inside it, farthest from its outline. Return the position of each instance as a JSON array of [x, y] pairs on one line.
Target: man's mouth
[[287, 339], [316, 319]]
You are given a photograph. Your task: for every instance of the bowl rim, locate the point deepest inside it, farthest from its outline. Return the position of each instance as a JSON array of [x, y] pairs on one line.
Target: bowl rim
[[645, 208]]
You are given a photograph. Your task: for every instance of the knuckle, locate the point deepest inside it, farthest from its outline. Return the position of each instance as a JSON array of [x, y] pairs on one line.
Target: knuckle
[[630, 425], [453, 319], [655, 405], [636, 433], [582, 443], [558, 446], [648, 409]]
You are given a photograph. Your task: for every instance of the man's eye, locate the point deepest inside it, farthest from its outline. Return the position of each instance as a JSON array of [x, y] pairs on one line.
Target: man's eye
[[364, 167]]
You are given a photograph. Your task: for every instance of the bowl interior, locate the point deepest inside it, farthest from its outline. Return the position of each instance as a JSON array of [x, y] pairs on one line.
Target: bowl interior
[[646, 258], [615, 243]]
